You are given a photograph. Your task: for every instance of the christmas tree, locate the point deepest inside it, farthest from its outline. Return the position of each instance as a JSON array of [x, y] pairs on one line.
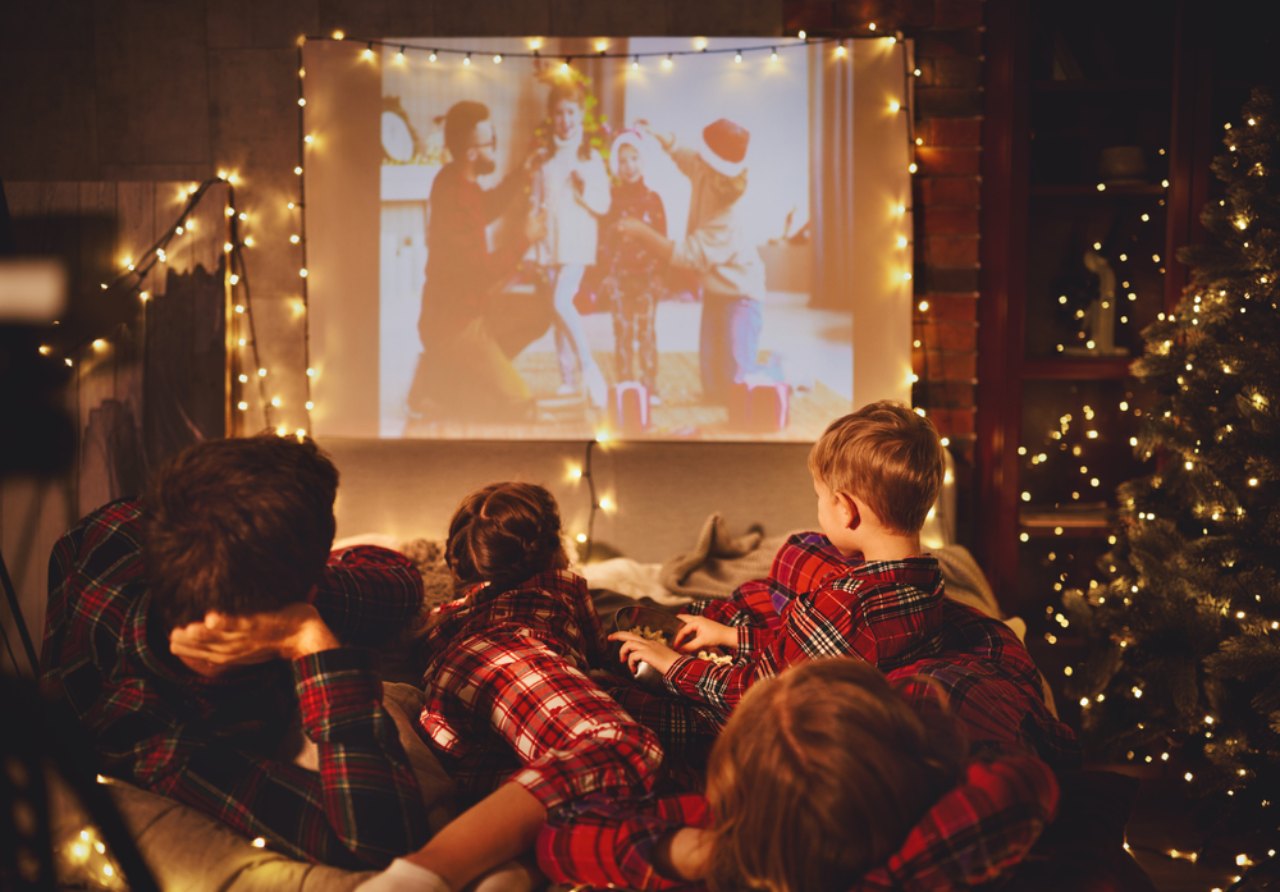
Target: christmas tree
[[1184, 623]]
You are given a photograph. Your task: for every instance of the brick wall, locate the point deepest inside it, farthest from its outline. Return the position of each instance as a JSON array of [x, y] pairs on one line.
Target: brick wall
[[948, 37]]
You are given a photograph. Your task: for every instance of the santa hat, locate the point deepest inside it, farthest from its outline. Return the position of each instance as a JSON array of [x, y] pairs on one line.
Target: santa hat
[[631, 138], [724, 146]]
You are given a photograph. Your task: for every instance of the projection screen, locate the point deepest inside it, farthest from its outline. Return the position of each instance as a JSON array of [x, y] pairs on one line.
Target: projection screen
[[710, 246]]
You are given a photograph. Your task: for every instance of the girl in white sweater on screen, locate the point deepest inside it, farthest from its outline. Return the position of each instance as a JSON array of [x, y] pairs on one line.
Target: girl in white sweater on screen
[[572, 191]]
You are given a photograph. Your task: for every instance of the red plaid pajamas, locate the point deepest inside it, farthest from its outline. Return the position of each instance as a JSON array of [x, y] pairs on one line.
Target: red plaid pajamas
[[508, 697], [974, 833], [212, 744]]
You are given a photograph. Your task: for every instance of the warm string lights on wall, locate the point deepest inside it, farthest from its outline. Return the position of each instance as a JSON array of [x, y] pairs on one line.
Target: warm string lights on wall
[[132, 276]]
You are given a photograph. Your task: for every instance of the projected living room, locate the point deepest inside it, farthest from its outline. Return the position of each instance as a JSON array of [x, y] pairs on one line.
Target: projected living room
[[634, 245]]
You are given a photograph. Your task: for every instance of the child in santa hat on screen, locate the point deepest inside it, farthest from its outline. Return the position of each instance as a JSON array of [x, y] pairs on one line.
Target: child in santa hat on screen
[[717, 250]]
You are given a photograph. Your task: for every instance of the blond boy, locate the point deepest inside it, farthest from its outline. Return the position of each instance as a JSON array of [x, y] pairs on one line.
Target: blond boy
[[876, 472]]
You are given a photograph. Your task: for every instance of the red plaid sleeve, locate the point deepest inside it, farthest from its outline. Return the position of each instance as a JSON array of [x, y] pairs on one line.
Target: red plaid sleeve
[[361, 810], [803, 564], [368, 595], [884, 612], [975, 832], [570, 737], [603, 842]]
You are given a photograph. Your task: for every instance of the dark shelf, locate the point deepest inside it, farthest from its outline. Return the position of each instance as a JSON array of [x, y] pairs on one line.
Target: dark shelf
[[1102, 85], [1075, 523], [1085, 190], [1077, 368]]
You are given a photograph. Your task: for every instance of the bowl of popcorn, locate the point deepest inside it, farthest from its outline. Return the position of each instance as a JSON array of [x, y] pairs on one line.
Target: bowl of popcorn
[[651, 623]]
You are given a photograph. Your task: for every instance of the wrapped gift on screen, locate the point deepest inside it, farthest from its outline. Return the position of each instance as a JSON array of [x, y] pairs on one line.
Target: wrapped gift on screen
[[630, 407], [760, 406]]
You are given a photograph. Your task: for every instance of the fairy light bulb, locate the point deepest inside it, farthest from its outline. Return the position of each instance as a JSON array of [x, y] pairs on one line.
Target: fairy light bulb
[[773, 54], [466, 60], [668, 62], [841, 52], [433, 56], [737, 57], [497, 58]]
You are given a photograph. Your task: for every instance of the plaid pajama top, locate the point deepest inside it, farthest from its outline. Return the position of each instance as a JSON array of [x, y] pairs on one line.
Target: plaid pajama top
[[220, 745], [891, 614], [508, 697], [971, 835], [882, 611]]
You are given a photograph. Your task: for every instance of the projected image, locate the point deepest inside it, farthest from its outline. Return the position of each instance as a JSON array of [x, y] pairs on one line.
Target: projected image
[[606, 245]]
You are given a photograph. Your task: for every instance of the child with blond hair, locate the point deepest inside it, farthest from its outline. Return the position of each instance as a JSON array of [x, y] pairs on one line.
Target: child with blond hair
[[864, 587], [826, 779]]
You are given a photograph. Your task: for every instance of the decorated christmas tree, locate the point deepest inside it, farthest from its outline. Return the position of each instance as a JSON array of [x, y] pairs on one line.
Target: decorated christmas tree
[[1184, 621]]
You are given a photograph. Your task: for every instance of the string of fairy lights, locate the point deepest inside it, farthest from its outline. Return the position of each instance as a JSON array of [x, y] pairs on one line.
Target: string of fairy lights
[[132, 278]]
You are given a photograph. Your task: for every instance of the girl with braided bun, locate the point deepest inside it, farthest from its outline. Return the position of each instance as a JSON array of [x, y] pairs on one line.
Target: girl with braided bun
[[509, 707]]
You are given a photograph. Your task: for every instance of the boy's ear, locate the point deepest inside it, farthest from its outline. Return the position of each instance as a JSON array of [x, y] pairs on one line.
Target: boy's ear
[[850, 510]]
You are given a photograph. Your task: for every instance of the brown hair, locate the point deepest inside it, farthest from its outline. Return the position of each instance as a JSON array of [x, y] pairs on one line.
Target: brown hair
[[460, 123], [886, 455], [504, 533], [239, 526], [819, 775], [571, 90]]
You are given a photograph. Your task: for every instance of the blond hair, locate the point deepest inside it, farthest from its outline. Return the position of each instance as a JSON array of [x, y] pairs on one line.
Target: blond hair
[[886, 455], [819, 775]]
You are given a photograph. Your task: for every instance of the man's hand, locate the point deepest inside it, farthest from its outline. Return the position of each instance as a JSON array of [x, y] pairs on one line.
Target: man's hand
[[636, 648], [666, 140], [223, 641], [698, 633]]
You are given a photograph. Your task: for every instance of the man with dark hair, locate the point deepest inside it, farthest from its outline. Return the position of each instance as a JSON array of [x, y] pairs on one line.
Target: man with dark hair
[[192, 634], [463, 371]]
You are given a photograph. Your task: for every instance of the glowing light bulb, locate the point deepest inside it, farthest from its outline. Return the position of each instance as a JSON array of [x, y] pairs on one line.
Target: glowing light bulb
[[737, 57], [497, 58]]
